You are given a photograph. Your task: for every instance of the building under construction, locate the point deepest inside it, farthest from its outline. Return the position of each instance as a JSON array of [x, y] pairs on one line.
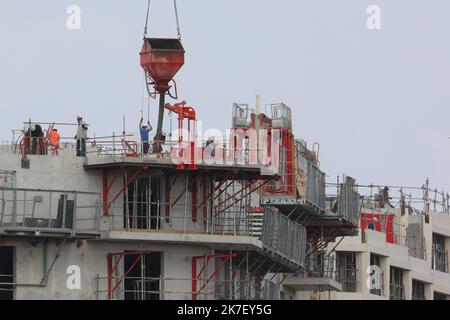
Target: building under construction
[[187, 222], [245, 216]]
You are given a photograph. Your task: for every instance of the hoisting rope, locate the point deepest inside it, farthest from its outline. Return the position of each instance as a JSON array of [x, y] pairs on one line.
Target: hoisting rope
[[146, 19], [144, 94], [176, 17]]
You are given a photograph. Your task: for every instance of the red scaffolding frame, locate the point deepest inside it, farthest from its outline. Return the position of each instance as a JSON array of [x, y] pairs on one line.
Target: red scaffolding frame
[[113, 266], [224, 257]]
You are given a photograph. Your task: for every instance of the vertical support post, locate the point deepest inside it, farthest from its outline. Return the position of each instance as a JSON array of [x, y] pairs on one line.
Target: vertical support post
[[194, 199], [50, 207], [2, 207], [127, 209], [65, 196], [230, 271], [105, 192], [110, 269], [24, 205], [98, 209], [185, 203], [168, 196], [142, 276], [136, 214], [74, 219], [233, 210], [204, 207], [194, 278], [257, 125], [13, 217]]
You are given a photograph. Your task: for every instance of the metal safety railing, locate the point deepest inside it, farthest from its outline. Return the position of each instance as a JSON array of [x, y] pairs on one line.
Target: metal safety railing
[[38, 138], [348, 279], [379, 289], [283, 237], [320, 268], [270, 290], [217, 152], [299, 178], [439, 260], [48, 210], [152, 215], [344, 201], [7, 289], [279, 235], [396, 291], [173, 288], [412, 200], [418, 290]]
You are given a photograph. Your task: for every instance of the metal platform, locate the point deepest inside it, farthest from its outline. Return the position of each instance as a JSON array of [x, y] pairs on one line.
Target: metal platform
[[248, 171], [312, 284]]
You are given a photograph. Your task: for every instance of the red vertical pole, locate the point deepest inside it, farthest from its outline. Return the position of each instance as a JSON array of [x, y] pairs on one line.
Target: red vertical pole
[[180, 141], [105, 191], [110, 293], [192, 144], [194, 278]]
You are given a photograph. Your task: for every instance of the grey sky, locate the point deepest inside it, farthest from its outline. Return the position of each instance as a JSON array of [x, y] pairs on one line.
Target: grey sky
[[377, 101]]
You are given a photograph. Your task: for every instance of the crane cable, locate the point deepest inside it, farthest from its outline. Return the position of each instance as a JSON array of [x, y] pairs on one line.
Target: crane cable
[[146, 19], [176, 18]]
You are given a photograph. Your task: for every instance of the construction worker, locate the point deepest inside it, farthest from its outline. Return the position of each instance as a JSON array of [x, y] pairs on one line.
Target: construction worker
[[81, 137], [372, 225], [54, 139], [210, 148], [144, 130], [37, 139], [26, 141]]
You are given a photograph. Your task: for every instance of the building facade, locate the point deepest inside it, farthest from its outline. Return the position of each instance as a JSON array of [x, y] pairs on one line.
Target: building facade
[[400, 253]]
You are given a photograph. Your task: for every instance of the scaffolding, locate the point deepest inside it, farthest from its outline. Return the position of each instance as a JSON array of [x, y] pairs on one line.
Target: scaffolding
[[49, 212]]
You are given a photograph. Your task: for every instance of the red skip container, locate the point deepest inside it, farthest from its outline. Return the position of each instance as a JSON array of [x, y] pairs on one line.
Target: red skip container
[[162, 59]]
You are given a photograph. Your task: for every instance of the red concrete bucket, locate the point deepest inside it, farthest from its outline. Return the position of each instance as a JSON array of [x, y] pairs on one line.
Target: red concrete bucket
[[161, 59]]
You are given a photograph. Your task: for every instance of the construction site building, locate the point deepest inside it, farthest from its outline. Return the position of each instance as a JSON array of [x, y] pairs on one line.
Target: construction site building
[[400, 252], [120, 224]]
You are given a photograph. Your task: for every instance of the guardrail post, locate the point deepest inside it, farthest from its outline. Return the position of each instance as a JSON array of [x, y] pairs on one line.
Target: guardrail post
[[74, 219], [64, 203], [13, 217]]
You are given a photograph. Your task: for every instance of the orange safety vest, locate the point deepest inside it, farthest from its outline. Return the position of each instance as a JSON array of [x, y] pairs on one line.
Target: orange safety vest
[[54, 138]]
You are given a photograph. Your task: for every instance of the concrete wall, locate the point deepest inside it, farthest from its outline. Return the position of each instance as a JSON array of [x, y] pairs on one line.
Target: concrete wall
[[414, 268], [67, 172], [64, 173], [91, 257]]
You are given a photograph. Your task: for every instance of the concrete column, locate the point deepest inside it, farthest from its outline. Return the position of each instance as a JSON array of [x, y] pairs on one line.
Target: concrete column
[[362, 264], [429, 295], [385, 267], [407, 283], [428, 240]]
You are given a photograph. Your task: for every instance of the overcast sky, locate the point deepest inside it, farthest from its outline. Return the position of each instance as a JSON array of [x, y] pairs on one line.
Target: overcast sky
[[376, 101]]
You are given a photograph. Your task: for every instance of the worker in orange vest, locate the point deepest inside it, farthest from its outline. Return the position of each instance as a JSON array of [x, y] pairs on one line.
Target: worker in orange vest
[[54, 138]]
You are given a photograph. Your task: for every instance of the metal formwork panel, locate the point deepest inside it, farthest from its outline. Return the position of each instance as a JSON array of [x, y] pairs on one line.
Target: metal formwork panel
[[283, 237], [348, 203], [241, 116], [310, 180], [315, 182], [281, 116]]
